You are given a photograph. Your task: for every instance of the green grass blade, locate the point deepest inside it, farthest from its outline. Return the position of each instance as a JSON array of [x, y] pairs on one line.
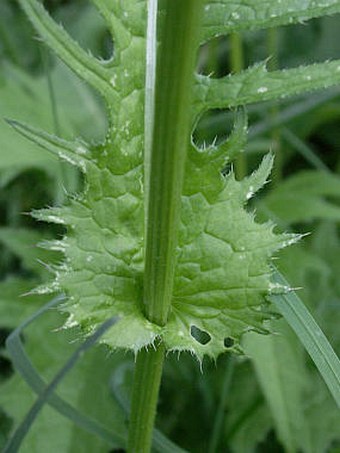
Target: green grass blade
[[281, 376], [45, 392], [311, 336], [304, 150]]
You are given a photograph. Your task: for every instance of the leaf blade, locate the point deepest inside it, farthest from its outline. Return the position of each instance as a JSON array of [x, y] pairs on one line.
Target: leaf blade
[[258, 14], [281, 375], [82, 63], [311, 336], [255, 84], [71, 152]]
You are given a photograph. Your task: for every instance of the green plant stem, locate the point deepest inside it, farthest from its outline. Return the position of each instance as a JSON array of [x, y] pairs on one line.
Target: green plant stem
[[178, 33], [236, 65], [174, 76], [150, 76], [147, 378]]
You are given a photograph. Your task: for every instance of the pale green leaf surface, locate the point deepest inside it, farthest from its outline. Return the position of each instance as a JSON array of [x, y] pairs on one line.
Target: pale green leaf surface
[[304, 197], [325, 429], [18, 154], [257, 84], [222, 16], [316, 269], [311, 336], [16, 84], [222, 272], [279, 367], [123, 19]]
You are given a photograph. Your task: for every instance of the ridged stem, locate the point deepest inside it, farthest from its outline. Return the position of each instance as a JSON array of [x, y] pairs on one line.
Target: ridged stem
[[147, 378], [177, 27], [171, 131]]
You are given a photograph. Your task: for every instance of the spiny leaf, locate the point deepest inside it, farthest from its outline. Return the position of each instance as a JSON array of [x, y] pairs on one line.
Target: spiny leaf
[[225, 152], [222, 17], [256, 84], [71, 152], [122, 20], [222, 273], [83, 64], [104, 270]]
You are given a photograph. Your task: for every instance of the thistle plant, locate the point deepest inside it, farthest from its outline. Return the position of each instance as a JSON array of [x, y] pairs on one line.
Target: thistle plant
[[160, 236]]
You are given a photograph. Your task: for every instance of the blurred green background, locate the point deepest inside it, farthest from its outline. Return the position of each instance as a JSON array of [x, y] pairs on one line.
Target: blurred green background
[[237, 405]]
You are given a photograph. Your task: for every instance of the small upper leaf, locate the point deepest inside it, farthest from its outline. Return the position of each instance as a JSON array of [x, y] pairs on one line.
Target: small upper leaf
[[222, 16], [256, 84]]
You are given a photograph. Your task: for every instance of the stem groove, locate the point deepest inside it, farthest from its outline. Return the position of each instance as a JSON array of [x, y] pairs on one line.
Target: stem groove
[[177, 28]]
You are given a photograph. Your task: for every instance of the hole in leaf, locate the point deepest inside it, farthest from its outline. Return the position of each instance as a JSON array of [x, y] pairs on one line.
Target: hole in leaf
[[213, 60], [228, 342], [199, 335], [213, 127], [6, 368], [85, 25]]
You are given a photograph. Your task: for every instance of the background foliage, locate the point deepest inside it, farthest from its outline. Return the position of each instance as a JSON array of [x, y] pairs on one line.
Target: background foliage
[[274, 402]]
